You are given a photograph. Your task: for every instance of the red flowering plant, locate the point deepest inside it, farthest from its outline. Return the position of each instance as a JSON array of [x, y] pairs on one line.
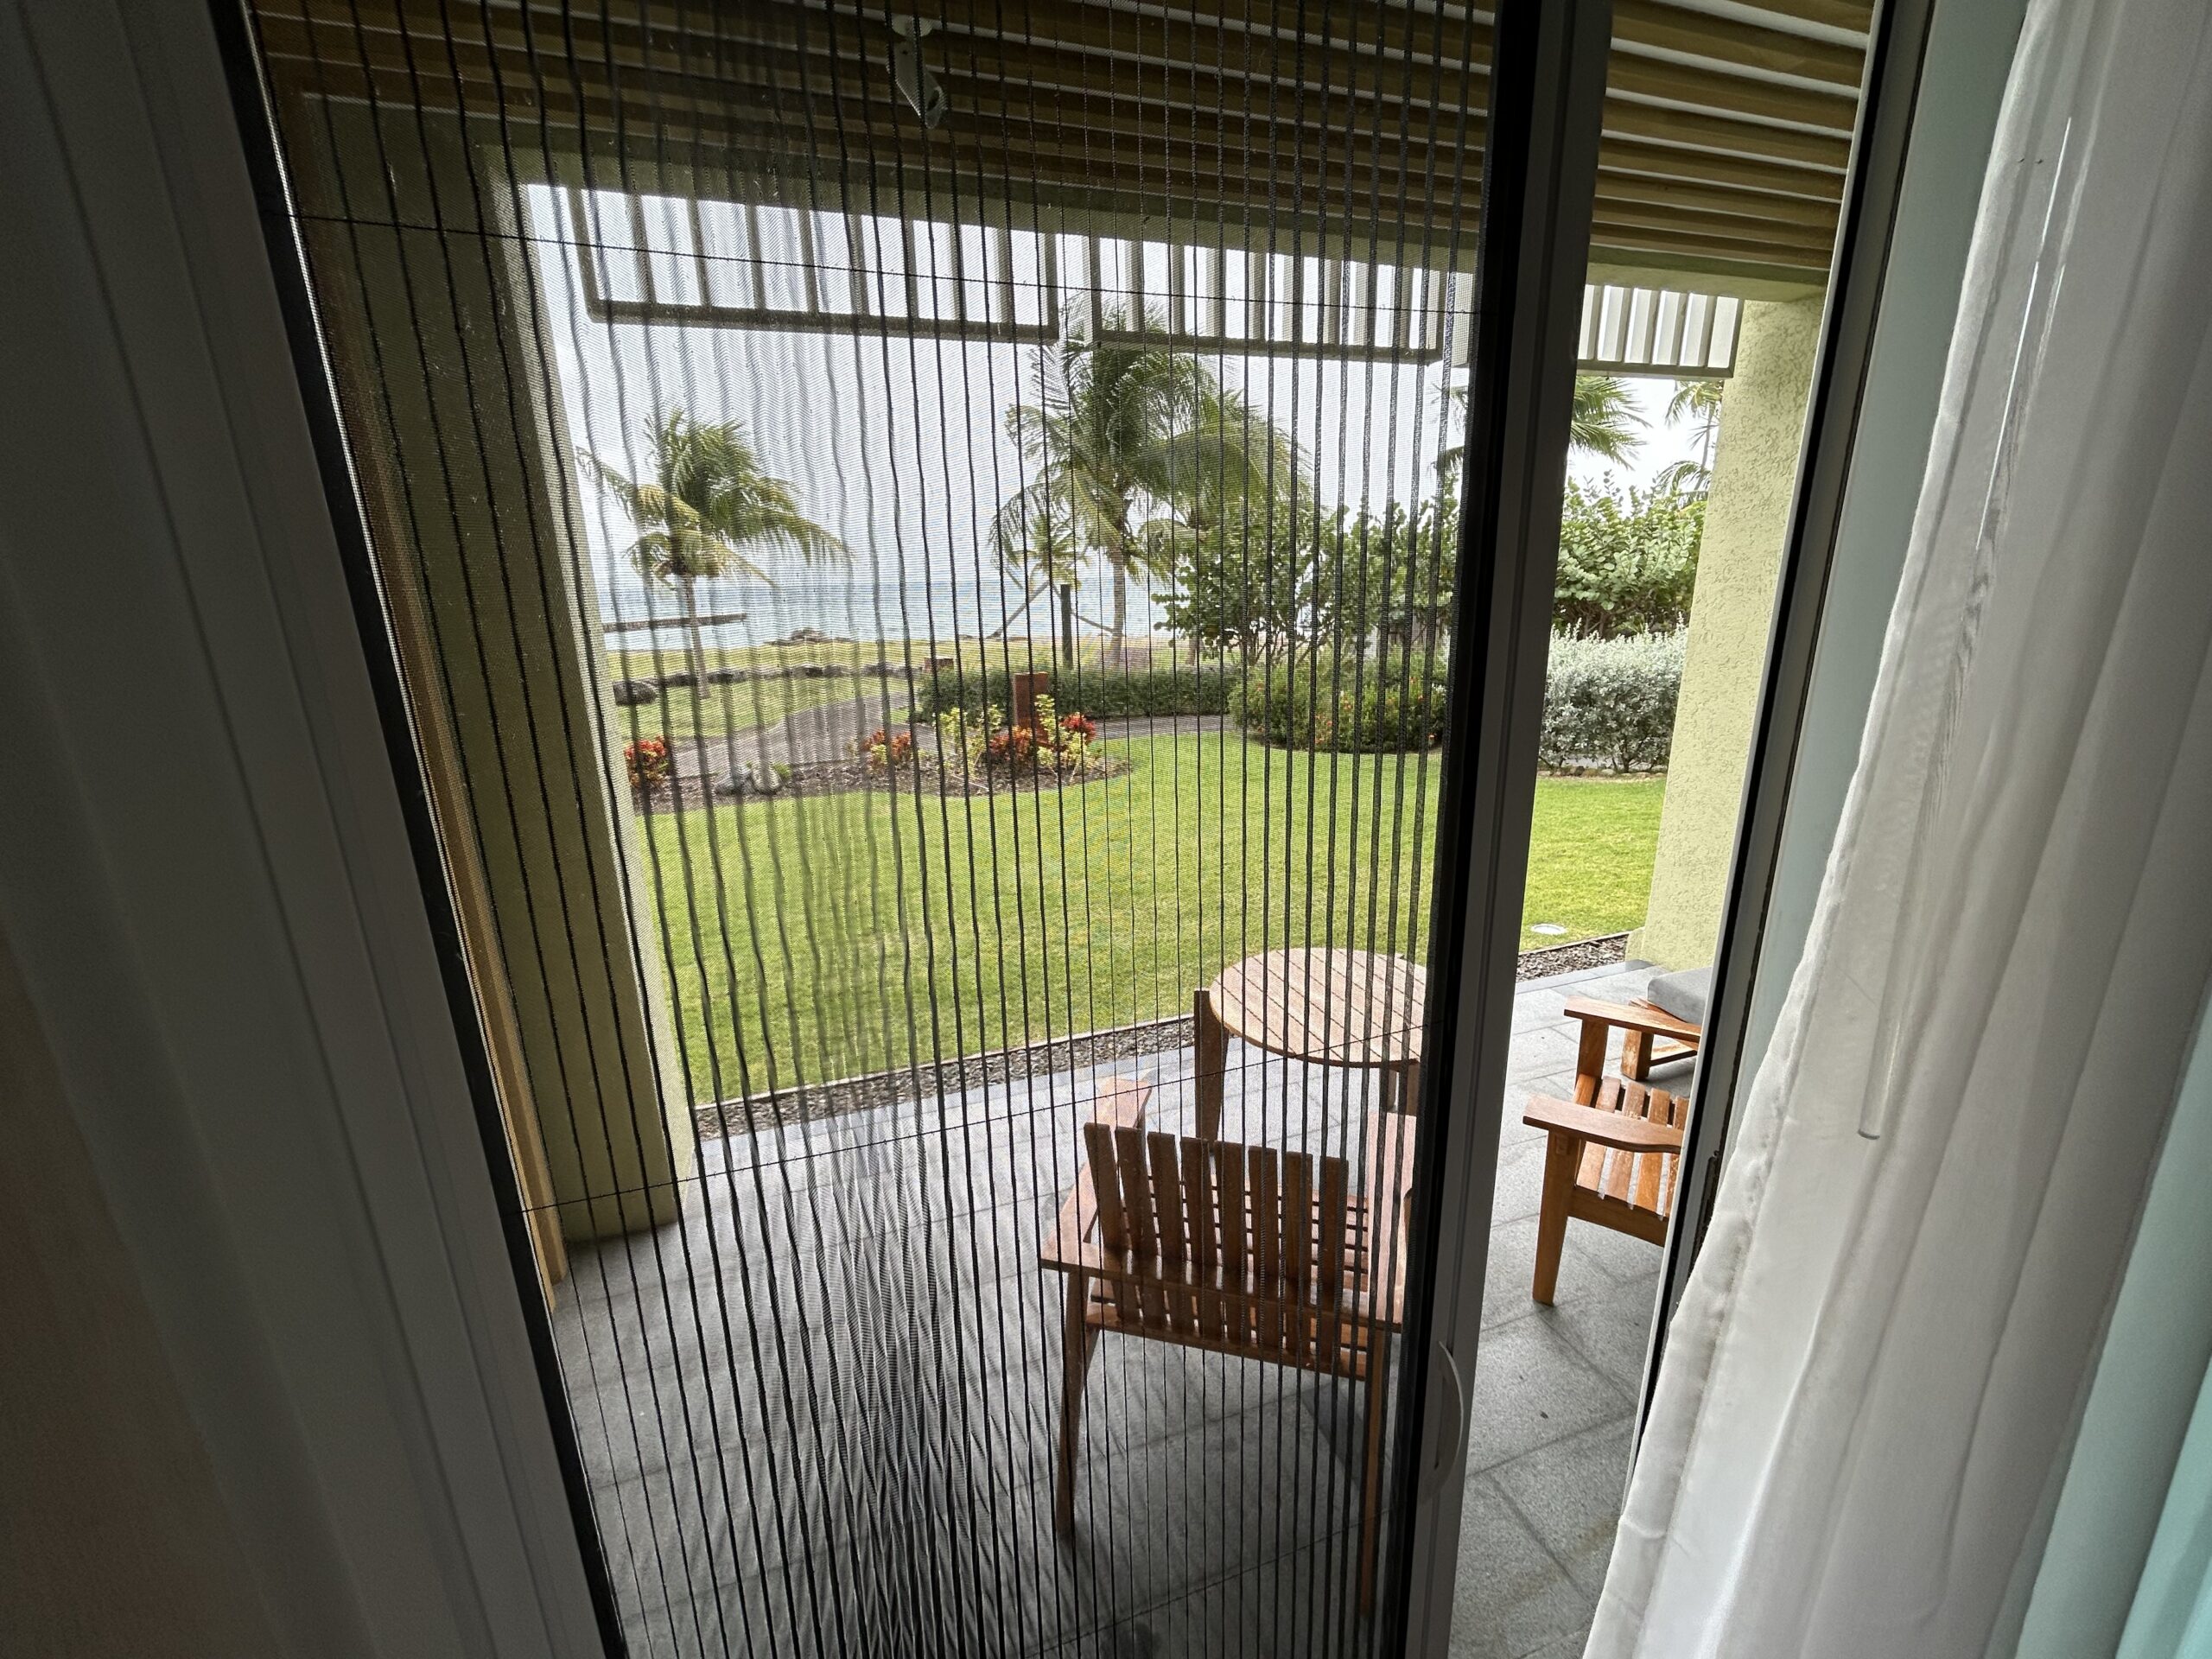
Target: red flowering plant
[[1063, 741], [647, 760], [1053, 742], [887, 750], [1017, 748]]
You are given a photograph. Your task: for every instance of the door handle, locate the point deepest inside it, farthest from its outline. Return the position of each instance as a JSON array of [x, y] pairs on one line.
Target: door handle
[[1432, 1476]]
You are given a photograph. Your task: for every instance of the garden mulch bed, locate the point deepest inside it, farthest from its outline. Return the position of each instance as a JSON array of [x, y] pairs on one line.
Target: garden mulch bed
[[853, 777]]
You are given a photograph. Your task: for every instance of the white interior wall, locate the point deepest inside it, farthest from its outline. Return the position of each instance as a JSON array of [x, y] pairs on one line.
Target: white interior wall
[[1969, 54]]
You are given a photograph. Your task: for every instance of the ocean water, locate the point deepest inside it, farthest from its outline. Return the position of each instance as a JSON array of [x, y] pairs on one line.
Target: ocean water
[[861, 603]]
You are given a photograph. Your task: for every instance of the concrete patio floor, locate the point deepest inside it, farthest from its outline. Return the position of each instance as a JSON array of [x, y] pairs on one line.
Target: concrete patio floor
[[896, 1491]]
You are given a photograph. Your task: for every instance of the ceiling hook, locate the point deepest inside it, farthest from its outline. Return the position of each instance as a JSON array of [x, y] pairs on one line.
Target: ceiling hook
[[915, 83]]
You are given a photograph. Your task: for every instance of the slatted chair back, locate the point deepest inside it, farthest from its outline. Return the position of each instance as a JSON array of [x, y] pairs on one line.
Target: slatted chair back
[[1642, 1180], [1241, 1248]]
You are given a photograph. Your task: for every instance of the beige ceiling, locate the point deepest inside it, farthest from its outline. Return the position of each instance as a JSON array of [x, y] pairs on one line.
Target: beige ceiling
[[1726, 135]]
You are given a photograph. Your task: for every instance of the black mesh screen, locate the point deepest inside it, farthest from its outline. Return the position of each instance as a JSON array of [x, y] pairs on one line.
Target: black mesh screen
[[922, 547]]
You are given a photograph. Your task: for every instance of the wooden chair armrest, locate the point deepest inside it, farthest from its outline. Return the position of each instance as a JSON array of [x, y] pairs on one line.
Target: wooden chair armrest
[[1120, 1102], [1634, 1016], [1620, 1129], [1063, 1250]]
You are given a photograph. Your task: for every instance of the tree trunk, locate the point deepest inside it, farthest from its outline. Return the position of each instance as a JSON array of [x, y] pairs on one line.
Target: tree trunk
[[1120, 603], [695, 640]]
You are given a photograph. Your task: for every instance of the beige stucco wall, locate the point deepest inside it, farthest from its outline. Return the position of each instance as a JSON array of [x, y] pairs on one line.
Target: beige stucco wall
[[1747, 518], [471, 495]]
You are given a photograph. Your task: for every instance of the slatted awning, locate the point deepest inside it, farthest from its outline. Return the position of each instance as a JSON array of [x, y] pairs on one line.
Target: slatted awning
[[1726, 131]]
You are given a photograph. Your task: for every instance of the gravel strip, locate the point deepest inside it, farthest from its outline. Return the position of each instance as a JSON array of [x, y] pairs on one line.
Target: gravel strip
[[815, 1102], [806, 1105], [923, 778], [1572, 958]]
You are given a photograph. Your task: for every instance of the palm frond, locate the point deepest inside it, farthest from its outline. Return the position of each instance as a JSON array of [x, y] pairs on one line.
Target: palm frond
[[1700, 398], [1602, 424], [708, 500]]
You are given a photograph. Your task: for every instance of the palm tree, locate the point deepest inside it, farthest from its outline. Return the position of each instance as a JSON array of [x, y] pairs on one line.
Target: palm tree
[[1697, 400], [1603, 423], [1031, 534], [709, 501], [1134, 449]]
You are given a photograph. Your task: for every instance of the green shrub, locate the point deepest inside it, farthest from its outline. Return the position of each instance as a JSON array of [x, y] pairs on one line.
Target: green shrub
[[1101, 694], [1345, 705], [1627, 562], [1609, 703]]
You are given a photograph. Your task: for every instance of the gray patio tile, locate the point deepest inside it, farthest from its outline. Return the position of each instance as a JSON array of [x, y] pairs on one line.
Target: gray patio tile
[[1569, 1493], [1611, 1329], [1150, 1532], [1512, 1269], [1509, 1597], [1547, 1048], [1617, 1255], [1540, 1005], [1568, 1647], [912, 1296], [1519, 1187], [1512, 1132], [1300, 1605], [1530, 1388]]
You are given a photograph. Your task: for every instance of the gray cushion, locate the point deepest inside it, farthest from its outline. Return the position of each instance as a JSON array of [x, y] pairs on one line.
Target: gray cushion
[[1683, 994]]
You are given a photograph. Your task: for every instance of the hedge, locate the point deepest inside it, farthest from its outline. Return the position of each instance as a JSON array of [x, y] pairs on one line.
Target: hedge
[[1100, 694], [1627, 562], [1609, 703], [1345, 705]]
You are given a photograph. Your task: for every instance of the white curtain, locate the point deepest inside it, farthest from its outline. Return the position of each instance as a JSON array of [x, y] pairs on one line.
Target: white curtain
[[1872, 1384]]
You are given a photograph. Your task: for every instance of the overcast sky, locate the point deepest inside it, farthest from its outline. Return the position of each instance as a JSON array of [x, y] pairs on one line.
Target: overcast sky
[[899, 447]]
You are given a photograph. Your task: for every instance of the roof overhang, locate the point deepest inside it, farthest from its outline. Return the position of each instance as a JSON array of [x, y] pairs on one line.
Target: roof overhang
[[1727, 128]]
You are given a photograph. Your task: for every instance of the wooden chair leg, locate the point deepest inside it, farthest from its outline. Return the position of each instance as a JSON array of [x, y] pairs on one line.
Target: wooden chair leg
[[1209, 1042], [1370, 1512], [1407, 1079], [1078, 1339], [1635, 1056], [1590, 1060], [1562, 1155]]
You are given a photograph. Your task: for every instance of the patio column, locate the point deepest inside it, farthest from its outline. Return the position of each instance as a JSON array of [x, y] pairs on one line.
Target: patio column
[[1746, 517], [438, 351]]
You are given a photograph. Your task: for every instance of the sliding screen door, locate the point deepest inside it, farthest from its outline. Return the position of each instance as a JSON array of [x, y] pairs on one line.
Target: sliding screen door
[[925, 551]]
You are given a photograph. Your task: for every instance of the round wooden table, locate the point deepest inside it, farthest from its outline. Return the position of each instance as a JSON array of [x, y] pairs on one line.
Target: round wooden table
[[1327, 1008]]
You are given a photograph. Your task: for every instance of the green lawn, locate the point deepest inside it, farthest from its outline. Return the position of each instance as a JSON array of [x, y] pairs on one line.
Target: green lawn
[[1590, 851], [807, 935]]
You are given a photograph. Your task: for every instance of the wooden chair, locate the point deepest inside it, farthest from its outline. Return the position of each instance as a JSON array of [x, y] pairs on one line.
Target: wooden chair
[[1236, 1249], [1649, 1036], [1615, 1152]]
